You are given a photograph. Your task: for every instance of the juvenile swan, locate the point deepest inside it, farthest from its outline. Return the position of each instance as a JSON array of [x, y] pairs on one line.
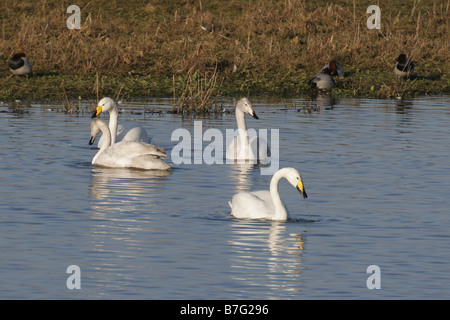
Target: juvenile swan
[[118, 132], [267, 204], [126, 154], [242, 147]]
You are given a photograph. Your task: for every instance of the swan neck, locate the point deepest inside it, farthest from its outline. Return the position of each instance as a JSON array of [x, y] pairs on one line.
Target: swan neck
[[107, 142], [113, 123], [242, 126], [280, 210]]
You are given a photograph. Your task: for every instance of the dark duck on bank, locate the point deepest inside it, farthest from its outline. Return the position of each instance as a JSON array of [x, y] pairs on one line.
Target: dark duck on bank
[[19, 64], [404, 67], [335, 69], [323, 80]]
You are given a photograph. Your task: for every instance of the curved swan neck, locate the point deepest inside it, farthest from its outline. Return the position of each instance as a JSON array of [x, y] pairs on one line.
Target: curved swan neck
[[113, 123], [280, 210], [107, 138], [242, 126]]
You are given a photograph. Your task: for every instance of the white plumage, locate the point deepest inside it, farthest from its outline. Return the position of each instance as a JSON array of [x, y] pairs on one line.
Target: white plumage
[[126, 154]]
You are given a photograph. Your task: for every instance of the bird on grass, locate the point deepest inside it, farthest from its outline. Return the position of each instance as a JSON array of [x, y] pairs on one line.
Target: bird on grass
[[19, 65], [335, 69], [404, 67], [323, 80]]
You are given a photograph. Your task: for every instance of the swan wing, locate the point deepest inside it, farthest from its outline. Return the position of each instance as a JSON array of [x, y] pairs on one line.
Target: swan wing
[[132, 133], [252, 205], [235, 152], [260, 144], [133, 155], [232, 149], [132, 149], [128, 133], [147, 162]]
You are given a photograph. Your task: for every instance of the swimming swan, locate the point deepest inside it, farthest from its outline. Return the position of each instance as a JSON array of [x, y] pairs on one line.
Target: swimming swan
[[126, 154], [119, 132], [242, 147], [266, 204]]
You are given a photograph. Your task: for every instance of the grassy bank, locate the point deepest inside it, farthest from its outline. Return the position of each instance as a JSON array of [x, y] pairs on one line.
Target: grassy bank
[[158, 47]]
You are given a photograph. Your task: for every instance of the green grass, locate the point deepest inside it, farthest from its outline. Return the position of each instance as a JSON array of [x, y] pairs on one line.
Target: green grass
[[152, 48]]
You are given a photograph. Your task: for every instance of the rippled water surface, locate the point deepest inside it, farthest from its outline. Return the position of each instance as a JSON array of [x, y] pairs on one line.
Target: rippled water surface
[[377, 173]]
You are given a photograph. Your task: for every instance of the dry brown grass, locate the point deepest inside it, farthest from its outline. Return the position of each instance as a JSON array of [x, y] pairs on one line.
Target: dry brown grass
[[147, 46], [198, 93]]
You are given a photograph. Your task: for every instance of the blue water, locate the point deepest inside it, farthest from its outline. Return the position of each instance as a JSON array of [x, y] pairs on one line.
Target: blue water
[[376, 172]]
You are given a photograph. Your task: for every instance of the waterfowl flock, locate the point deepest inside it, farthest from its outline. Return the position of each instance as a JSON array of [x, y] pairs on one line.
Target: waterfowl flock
[[129, 151], [404, 68], [122, 146]]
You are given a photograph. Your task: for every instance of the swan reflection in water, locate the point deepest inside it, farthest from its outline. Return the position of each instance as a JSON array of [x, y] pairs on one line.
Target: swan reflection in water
[[120, 189], [240, 173], [267, 258]]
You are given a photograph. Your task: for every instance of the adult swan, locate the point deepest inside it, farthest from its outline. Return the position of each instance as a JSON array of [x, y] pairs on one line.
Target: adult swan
[[244, 146], [118, 132], [126, 154], [267, 204]]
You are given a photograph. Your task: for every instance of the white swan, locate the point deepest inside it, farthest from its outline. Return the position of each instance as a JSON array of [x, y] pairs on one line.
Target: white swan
[[119, 132], [243, 147], [266, 204], [126, 154]]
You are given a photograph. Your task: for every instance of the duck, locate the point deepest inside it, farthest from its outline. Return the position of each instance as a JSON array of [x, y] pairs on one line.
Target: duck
[[19, 65], [245, 146], [267, 204], [404, 67], [335, 69], [323, 80], [119, 132], [126, 154]]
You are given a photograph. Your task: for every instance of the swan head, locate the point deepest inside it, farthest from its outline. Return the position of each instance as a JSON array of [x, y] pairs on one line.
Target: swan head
[[295, 179], [104, 105], [96, 126], [245, 106]]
